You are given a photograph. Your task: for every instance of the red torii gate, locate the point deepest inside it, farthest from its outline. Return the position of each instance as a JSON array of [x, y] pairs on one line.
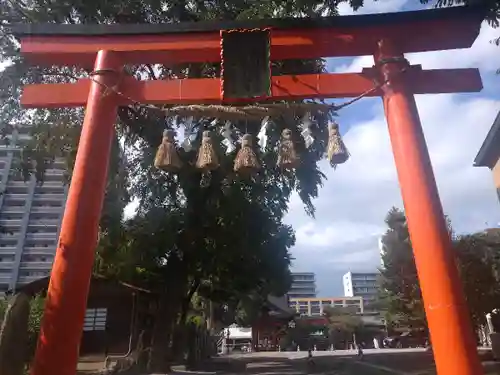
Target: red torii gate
[[385, 36]]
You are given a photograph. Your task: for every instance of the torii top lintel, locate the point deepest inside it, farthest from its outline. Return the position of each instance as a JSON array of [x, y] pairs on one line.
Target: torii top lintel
[[291, 38], [169, 44]]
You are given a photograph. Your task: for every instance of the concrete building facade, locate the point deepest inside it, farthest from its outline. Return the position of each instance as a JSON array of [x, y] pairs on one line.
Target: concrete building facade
[[489, 153], [361, 284], [315, 306], [30, 217], [303, 285]]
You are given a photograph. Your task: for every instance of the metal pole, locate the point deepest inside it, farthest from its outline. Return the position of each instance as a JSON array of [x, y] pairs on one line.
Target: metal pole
[[58, 345], [447, 315]]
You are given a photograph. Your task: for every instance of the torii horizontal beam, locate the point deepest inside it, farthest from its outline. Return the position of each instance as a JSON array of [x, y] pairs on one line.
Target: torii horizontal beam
[[417, 31], [207, 90]]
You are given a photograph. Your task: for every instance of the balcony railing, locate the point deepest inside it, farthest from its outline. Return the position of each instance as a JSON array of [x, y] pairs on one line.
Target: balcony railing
[[46, 209], [43, 266], [6, 265], [36, 250], [8, 249]]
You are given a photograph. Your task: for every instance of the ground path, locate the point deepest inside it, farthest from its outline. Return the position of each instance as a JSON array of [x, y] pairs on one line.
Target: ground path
[[343, 362]]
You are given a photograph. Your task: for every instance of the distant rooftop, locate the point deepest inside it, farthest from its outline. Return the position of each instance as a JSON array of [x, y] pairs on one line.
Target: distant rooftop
[[374, 272], [474, 14], [490, 150]]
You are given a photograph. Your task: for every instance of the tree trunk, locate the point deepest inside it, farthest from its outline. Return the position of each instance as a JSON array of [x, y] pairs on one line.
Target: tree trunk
[[169, 308], [180, 332]]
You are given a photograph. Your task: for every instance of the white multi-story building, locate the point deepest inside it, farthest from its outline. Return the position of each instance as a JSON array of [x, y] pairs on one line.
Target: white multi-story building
[[361, 284], [381, 250], [30, 217]]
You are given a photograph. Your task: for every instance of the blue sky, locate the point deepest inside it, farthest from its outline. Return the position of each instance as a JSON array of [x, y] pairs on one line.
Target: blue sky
[[353, 203]]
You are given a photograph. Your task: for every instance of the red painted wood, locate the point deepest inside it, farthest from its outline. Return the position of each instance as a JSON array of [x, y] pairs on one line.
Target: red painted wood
[[285, 44], [61, 330], [196, 91], [453, 341]]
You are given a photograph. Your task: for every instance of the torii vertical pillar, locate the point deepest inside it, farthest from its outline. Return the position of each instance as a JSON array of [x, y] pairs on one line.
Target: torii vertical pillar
[[455, 349], [61, 331]]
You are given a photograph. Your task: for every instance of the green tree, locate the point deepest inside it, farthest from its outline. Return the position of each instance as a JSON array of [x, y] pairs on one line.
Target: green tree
[[179, 254], [37, 304], [4, 302], [34, 319], [400, 298], [209, 233], [343, 318], [343, 324], [400, 290], [301, 334], [492, 7], [478, 262]]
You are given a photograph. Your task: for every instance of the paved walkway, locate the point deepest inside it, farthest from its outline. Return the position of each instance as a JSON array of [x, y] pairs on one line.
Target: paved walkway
[[344, 362], [374, 362]]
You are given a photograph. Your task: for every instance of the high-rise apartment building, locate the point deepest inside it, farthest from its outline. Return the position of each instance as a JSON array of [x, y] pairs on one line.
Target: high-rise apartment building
[[303, 285], [30, 217], [361, 284]]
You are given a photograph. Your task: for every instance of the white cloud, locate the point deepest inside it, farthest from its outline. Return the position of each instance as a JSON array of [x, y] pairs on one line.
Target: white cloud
[[355, 199], [481, 55], [343, 232]]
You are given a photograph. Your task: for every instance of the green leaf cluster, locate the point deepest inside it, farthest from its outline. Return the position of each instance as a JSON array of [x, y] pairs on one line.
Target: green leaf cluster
[[477, 258]]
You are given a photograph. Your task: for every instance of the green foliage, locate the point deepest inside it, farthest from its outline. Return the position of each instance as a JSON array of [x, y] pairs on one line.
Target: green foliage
[[400, 299], [4, 302], [248, 309], [37, 304], [36, 314], [343, 319], [34, 322], [479, 265], [400, 290], [215, 234], [139, 130], [492, 7], [300, 335], [343, 325]]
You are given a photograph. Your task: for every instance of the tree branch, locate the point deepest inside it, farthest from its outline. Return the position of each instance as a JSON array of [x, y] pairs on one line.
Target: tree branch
[[151, 72]]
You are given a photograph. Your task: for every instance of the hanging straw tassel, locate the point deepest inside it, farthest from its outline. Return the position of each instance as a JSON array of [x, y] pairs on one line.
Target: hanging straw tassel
[[246, 160], [337, 152], [207, 158], [287, 156], [167, 157]]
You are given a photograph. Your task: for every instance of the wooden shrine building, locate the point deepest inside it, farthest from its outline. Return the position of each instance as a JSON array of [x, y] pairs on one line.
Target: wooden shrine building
[[116, 314]]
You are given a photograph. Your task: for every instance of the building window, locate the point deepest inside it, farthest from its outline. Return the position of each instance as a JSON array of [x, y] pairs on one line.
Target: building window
[[95, 319]]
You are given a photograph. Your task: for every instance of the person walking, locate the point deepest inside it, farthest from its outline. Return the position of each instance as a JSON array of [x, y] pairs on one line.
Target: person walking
[[360, 351], [310, 360]]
